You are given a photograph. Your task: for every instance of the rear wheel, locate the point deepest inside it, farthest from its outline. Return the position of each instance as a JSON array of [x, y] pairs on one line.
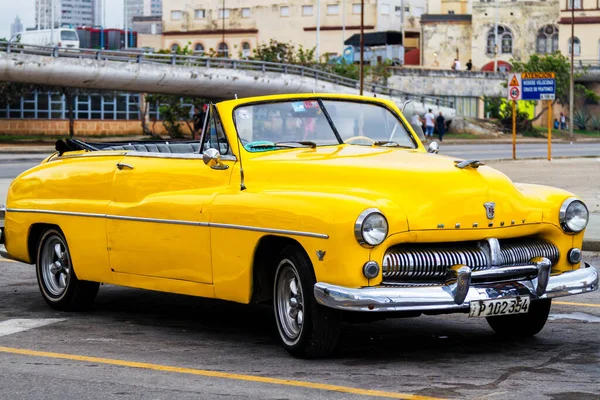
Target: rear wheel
[[305, 328], [522, 325], [59, 285]]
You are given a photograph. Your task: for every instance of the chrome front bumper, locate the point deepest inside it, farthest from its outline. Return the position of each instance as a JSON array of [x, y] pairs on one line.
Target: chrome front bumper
[[444, 297]]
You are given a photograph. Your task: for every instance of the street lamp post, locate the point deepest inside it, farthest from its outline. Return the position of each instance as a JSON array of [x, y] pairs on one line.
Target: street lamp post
[[496, 47], [223, 29], [52, 22], [318, 49], [125, 14], [572, 78], [362, 45]]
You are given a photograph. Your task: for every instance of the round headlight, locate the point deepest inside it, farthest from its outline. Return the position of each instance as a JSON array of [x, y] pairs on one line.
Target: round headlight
[[573, 215], [371, 227]]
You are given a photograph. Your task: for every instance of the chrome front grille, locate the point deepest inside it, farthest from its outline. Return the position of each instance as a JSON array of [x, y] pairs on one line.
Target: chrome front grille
[[431, 261]]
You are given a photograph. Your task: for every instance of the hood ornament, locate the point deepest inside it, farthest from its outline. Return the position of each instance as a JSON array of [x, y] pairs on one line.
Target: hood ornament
[[490, 209], [468, 163]]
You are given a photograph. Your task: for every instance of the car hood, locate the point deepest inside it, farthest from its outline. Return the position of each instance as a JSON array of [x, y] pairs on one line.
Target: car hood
[[429, 188]]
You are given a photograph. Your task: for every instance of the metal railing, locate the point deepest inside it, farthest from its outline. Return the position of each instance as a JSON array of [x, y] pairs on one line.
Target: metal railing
[[587, 63], [208, 62]]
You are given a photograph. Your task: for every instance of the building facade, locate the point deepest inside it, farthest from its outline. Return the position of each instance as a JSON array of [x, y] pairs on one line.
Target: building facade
[[239, 27], [73, 13], [16, 26], [466, 29], [142, 8], [587, 30]]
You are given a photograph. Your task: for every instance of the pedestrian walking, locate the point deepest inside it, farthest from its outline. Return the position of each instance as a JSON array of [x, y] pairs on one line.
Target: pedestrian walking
[[556, 125], [429, 124], [456, 65], [469, 65], [440, 124], [563, 121]]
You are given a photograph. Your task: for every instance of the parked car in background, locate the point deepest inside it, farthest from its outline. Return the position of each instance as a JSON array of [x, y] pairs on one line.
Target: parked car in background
[[61, 37], [327, 206]]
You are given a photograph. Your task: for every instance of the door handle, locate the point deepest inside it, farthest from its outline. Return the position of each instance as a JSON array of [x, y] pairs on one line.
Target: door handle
[[124, 166]]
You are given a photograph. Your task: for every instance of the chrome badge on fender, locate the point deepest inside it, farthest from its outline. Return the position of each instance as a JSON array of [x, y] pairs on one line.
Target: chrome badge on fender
[[490, 209]]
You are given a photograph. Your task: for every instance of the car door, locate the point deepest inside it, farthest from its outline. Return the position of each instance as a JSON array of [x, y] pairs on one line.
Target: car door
[[158, 221]]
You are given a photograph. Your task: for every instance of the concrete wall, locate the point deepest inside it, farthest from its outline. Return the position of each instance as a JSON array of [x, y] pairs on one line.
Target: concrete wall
[[448, 82], [441, 41], [217, 83]]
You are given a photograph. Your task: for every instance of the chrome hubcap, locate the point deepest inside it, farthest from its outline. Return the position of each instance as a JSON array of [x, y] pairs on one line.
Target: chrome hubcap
[[289, 301], [55, 266]]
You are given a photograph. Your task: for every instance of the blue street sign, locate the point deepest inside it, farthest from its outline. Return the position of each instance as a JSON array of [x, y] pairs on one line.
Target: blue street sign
[[538, 85]]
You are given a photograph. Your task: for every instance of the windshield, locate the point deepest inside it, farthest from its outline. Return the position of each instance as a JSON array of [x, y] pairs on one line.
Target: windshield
[[68, 35], [312, 122]]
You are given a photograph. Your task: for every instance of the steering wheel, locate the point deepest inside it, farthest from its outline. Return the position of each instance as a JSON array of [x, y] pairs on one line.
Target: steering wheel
[[358, 138]]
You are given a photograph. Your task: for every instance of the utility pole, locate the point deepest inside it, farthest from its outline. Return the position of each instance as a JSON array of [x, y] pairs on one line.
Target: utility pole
[[125, 13], [318, 49], [343, 22], [362, 45], [52, 22], [402, 30], [496, 47], [572, 80]]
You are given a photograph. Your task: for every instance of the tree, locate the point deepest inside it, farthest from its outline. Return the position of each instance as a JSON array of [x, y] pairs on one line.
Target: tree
[[561, 65]]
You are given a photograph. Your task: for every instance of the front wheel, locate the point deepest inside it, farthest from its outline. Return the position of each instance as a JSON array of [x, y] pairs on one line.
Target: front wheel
[[522, 325], [59, 285], [306, 329]]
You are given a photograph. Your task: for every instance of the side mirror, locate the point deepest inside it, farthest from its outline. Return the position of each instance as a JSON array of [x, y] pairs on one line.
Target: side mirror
[[433, 147], [212, 158]]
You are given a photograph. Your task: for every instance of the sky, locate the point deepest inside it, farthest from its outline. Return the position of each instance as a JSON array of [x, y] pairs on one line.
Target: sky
[[25, 9]]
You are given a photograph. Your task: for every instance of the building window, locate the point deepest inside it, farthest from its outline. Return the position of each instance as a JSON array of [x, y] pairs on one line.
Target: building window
[[224, 12], [451, 12], [578, 5], [505, 40], [246, 49], [356, 8], [223, 50], [284, 11], [333, 9], [199, 49], [385, 9], [577, 49], [199, 14], [547, 39], [246, 13], [307, 10], [174, 48], [176, 15]]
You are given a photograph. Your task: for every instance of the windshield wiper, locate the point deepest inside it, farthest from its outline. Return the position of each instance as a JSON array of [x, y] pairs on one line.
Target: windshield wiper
[[390, 143], [285, 144]]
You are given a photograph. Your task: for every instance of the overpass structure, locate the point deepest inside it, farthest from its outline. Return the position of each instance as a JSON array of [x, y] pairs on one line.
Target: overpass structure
[[212, 78]]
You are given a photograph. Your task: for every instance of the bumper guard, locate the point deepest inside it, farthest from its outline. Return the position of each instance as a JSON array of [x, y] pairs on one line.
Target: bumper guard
[[462, 286]]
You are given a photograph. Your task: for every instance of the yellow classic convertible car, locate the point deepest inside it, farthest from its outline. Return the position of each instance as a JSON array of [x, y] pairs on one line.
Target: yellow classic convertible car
[[328, 206]]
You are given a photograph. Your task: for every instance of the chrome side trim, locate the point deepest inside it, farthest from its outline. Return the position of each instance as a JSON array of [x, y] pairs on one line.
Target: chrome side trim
[[176, 222], [441, 298], [269, 230], [157, 220], [53, 212], [185, 156], [132, 153]]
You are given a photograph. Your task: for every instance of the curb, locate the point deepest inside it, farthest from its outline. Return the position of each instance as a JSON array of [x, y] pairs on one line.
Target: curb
[[591, 245]]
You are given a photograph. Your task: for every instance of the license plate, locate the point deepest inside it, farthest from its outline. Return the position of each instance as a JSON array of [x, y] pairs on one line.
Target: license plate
[[489, 308]]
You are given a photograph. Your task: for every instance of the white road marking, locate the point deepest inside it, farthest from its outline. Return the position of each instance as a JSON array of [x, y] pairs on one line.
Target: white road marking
[[11, 326]]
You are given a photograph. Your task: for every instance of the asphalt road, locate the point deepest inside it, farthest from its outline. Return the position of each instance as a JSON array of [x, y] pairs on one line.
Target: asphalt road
[[525, 150], [139, 344]]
